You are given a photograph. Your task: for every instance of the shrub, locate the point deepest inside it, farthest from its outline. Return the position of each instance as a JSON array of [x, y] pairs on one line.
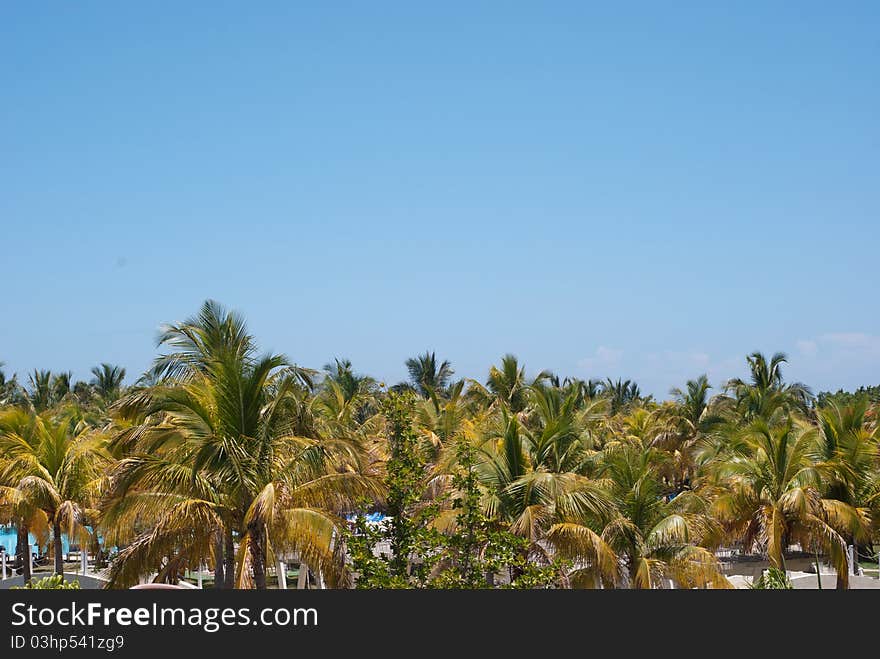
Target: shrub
[[773, 579], [53, 582]]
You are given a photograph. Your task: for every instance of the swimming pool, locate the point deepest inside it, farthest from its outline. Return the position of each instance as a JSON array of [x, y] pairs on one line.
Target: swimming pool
[[9, 540]]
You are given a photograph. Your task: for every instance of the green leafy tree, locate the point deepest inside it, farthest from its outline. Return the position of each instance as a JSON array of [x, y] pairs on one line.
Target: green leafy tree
[[412, 544], [477, 549], [842, 398]]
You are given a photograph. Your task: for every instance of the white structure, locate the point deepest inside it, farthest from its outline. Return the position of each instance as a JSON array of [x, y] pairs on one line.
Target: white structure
[[281, 570]]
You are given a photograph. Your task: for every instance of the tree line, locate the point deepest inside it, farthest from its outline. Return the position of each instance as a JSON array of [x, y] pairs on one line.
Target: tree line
[[224, 456]]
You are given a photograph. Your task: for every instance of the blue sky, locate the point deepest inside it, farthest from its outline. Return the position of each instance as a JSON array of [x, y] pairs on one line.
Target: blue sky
[[646, 190]]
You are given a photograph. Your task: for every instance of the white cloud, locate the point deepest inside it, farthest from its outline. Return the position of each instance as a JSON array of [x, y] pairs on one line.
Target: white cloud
[[834, 346], [836, 360], [854, 342], [691, 359], [604, 357], [807, 347]]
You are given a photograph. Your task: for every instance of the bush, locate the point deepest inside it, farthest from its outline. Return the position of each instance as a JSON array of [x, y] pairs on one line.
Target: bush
[[773, 579], [54, 582]]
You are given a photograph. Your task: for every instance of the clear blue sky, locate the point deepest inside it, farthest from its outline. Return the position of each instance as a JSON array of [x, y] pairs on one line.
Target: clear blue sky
[[646, 190]]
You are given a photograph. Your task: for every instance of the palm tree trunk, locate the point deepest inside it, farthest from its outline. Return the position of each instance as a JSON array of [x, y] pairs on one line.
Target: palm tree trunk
[[633, 574], [229, 558], [841, 584], [777, 558], [56, 547], [23, 552], [258, 557], [219, 581]]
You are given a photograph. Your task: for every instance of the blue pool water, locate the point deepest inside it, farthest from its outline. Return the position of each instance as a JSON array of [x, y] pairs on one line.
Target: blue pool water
[[9, 540], [371, 517]]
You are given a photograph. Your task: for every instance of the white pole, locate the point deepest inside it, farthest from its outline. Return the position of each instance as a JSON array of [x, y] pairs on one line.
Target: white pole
[[84, 559], [199, 577], [4, 564], [281, 569], [30, 559], [320, 578], [849, 558], [303, 579]]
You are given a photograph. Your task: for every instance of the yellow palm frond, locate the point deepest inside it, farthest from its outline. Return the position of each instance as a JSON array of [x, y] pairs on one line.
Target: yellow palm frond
[[314, 535], [580, 543]]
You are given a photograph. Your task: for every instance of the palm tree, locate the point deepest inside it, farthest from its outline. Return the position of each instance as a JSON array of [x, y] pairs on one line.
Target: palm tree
[[343, 389], [342, 373], [559, 427], [10, 390], [217, 454], [107, 382], [427, 376], [16, 509], [588, 390], [693, 402], [40, 390], [442, 419], [46, 389], [770, 494], [621, 393], [650, 537], [655, 535], [692, 417], [4, 385], [54, 468], [62, 385], [554, 511], [846, 456], [507, 385], [766, 393]]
